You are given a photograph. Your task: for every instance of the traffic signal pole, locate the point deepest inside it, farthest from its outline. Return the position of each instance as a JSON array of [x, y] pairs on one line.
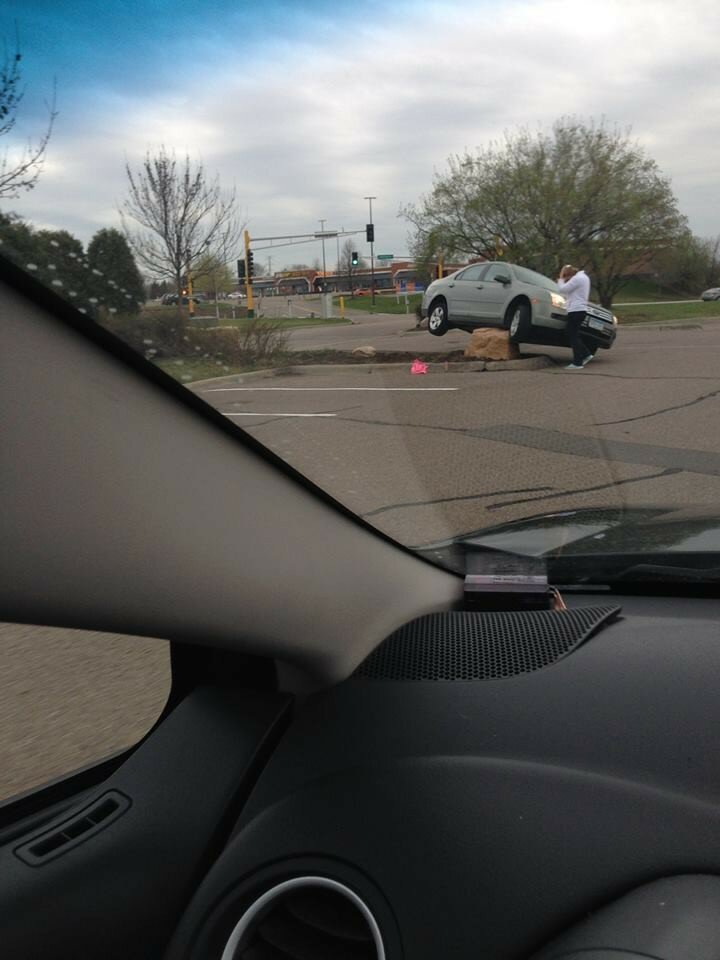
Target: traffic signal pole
[[248, 276], [370, 235]]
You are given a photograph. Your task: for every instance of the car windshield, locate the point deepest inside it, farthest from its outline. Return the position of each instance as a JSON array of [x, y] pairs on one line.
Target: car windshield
[[530, 276], [272, 204]]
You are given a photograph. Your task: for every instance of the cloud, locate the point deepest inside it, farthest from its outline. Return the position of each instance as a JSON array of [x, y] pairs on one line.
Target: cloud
[[312, 118]]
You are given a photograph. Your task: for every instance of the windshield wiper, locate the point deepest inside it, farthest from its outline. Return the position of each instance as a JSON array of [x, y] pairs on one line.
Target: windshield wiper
[[660, 573]]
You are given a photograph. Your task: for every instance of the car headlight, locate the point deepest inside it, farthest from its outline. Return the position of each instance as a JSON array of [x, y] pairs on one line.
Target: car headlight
[[557, 300]]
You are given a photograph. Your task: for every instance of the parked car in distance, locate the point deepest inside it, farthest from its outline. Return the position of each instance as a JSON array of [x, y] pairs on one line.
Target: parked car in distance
[[236, 295], [170, 299], [499, 294], [712, 294]]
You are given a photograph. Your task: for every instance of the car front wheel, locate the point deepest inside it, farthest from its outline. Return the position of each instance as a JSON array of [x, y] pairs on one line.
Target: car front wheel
[[519, 326], [438, 318]]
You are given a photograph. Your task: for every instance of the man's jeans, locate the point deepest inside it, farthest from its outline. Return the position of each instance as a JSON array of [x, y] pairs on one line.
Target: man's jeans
[[581, 351]]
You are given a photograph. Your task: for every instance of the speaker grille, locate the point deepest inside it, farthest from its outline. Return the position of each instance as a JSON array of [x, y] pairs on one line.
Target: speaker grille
[[482, 646]]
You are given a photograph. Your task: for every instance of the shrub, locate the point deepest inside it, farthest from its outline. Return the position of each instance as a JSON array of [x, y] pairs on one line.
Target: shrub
[[165, 335], [256, 343]]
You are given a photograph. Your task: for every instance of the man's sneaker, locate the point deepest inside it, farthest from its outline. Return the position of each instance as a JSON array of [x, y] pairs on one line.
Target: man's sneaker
[[586, 361], [575, 366]]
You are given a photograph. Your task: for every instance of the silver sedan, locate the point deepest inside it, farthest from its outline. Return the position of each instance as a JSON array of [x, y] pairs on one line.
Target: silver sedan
[[499, 294]]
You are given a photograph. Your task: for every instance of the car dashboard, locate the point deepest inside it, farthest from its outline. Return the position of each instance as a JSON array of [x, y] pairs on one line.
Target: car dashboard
[[431, 806]]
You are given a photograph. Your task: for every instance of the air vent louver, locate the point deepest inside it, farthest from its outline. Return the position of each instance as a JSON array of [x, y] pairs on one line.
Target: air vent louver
[[83, 825], [308, 918]]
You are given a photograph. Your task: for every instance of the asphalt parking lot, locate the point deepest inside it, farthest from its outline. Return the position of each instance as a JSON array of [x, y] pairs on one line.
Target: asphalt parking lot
[[428, 457]]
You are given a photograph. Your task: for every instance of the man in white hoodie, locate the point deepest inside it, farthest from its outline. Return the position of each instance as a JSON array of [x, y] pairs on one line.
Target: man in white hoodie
[[574, 284]]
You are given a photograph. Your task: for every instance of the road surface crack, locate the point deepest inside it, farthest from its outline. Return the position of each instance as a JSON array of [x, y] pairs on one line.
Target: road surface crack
[[657, 413], [668, 472], [427, 503]]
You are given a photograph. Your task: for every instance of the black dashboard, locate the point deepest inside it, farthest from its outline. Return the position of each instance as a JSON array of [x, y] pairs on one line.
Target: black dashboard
[[486, 817]]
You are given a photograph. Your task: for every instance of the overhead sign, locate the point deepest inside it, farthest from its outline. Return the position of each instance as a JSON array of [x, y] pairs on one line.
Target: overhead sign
[[384, 256]]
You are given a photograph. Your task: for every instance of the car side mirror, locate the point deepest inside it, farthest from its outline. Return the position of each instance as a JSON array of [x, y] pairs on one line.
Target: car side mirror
[[503, 278]]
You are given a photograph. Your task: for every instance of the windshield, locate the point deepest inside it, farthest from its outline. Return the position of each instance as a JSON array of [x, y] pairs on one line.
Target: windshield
[[272, 204], [529, 276]]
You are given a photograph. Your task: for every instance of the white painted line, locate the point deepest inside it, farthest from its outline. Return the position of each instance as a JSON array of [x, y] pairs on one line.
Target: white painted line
[[279, 414], [332, 389]]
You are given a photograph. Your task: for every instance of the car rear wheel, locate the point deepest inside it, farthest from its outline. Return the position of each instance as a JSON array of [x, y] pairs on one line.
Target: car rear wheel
[[438, 318], [519, 325]]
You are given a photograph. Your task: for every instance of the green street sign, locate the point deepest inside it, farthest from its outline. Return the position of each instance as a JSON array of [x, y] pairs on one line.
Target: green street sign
[[384, 256]]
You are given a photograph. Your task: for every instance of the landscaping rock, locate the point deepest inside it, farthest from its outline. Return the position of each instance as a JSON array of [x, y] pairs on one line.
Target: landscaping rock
[[364, 352], [488, 344]]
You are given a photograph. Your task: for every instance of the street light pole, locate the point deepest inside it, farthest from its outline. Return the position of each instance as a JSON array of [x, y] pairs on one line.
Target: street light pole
[[372, 258], [322, 230]]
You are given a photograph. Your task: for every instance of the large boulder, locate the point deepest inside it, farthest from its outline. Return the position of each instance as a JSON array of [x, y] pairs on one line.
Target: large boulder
[[364, 352], [487, 343]]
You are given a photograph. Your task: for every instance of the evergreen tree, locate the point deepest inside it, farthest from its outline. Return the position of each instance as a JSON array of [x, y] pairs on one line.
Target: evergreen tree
[[62, 265], [114, 277]]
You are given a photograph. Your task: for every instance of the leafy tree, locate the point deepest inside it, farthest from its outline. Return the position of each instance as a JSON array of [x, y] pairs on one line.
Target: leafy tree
[[181, 216], [214, 276], [691, 265], [17, 240], [55, 257], [62, 264], [581, 192], [114, 275], [19, 172]]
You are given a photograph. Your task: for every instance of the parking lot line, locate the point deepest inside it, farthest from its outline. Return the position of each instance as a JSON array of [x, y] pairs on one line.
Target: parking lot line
[[332, 389], [279, 414]]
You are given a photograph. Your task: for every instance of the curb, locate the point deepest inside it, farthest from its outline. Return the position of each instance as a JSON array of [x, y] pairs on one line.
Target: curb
[[468, 366], [682, 323]]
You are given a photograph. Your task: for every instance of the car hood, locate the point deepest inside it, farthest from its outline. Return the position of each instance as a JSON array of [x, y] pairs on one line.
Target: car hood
[[597, 532]]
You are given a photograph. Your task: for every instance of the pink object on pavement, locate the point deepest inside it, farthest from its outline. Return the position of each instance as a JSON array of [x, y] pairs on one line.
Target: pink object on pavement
[[418, 366]]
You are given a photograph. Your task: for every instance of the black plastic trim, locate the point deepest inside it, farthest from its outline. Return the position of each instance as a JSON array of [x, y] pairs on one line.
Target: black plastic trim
[[35, 291], [80, 827]]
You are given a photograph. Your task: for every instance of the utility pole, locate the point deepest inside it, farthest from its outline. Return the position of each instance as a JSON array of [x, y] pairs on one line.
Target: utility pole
[[322, 230], [372, 258]]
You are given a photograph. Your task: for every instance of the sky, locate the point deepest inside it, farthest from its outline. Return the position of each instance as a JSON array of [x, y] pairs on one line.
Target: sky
[[308, 107]]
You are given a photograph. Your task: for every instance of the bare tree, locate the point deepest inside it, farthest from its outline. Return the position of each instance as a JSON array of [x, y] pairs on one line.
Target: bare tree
[[346, 266], [183, 217], [19, 172]]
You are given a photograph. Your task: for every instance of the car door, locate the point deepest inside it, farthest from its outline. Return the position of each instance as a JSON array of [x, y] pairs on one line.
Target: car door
[[463, 291], [491, 299]]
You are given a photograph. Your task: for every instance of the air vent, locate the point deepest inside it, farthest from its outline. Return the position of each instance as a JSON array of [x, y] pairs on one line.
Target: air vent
[[307, 918], [482, 646], [78, 828]]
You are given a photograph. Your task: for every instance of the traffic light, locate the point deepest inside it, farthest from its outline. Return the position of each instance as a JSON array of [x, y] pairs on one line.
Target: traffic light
[[250, 263], [370, 232], [241, 270], [354, 259]]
